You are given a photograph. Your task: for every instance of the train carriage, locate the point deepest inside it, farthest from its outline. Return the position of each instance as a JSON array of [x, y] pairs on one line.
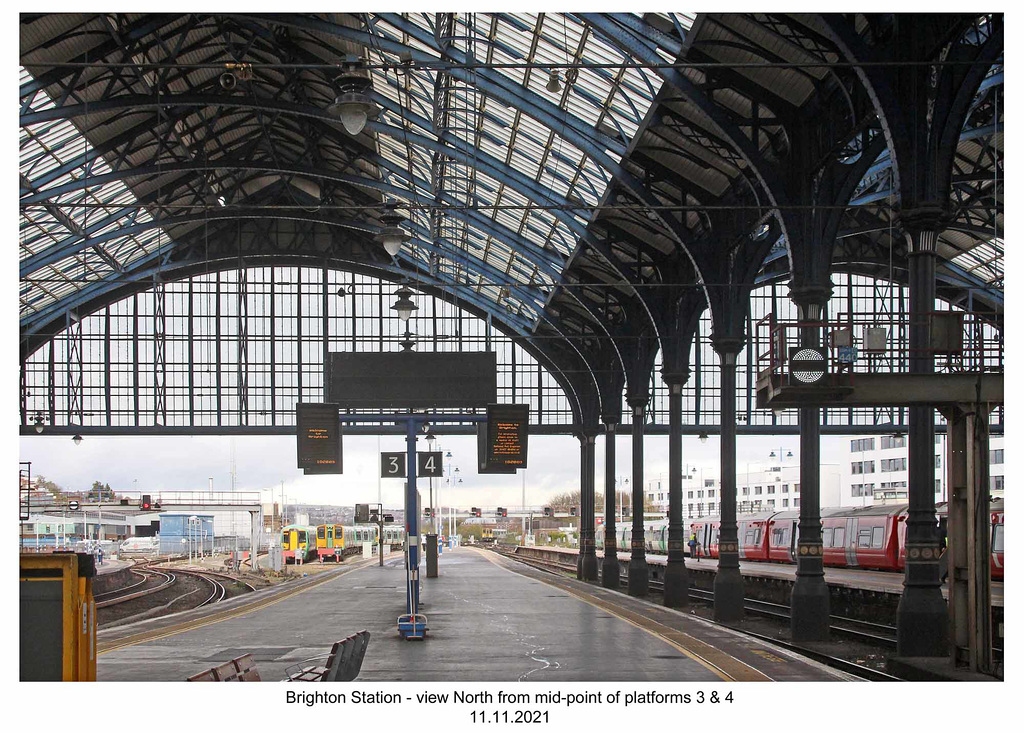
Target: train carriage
[[752, 533], [862, 537], [997, 538]]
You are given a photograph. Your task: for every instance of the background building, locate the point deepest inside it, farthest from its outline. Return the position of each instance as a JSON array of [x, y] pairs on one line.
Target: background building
[[759, 487], [876, 469]]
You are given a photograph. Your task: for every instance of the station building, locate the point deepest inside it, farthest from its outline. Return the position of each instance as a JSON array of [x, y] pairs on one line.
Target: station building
[[177, 533]]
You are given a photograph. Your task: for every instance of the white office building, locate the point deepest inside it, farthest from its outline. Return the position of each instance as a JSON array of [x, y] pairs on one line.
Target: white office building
[[759, 487], [876, 470]]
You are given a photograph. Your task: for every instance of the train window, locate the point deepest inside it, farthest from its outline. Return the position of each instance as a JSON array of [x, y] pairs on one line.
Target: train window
[[864, 538], [777, 537], [826, 537], [748, 538], [714, 536], [321, 533], [757, 537], [997, 538], [876, 537], [839, 537]]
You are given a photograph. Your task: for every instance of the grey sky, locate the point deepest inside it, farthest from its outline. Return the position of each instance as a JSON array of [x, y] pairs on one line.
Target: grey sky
[[182, 463]]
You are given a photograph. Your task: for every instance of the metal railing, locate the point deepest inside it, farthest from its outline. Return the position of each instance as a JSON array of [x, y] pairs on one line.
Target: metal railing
[[875, 343]]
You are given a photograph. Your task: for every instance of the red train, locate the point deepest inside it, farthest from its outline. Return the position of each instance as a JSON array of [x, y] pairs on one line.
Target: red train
[[872, 537]]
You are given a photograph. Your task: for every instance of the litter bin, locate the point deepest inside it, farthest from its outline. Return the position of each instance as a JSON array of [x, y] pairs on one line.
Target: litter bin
[[431, 555]]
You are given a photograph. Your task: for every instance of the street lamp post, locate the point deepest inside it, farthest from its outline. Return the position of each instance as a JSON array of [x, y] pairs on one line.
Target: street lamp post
[[431, 439]]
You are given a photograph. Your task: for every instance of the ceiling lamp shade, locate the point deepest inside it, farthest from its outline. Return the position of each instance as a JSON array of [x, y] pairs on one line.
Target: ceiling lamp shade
[[404, 306], [554, 82], [352, 105], [353, 108], [392, 236]]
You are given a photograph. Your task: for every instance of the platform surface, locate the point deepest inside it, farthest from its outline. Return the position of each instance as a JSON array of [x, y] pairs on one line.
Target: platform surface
[[489, 619]]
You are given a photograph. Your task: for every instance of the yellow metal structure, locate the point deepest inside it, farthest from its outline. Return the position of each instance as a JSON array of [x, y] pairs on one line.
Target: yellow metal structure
[[58, 617]]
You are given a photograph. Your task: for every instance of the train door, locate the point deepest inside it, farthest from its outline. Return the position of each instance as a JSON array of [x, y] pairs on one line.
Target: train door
[[740, 531], [853, 541]]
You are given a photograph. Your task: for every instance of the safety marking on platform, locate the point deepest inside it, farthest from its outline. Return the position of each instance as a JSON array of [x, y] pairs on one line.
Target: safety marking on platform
[[731, 669], [157, 634]]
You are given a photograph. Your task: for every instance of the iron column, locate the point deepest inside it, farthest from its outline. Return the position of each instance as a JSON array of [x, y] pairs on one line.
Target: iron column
[[677, 580], [728, 581], [610, 565], [922, 619], [638, 572], [809, 602], [587, 521]]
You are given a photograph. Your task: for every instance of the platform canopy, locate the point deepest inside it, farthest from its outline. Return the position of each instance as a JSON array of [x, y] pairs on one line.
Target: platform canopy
[[557, 172]]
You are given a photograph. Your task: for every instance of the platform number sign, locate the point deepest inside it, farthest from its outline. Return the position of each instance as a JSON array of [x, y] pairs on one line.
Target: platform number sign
[[73, 506], [428, 465], [392, 465]]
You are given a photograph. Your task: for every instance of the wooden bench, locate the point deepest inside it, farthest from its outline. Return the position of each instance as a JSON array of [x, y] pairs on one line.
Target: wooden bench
[[342, 665], [242, 669]]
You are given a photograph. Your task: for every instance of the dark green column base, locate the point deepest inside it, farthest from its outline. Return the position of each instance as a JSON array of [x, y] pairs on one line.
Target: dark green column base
[[677, 584], [610, 572]]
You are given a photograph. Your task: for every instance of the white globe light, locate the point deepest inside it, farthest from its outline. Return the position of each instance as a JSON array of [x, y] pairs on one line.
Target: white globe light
[[392, 243], [353, 108], [353, 118]]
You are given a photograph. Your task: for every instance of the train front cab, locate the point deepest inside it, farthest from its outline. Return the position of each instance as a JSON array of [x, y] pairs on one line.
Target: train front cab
[[330, 542], [293, 540]]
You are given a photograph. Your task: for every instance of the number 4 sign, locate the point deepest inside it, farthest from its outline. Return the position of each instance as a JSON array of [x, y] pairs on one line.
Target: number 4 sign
[[428, 465]]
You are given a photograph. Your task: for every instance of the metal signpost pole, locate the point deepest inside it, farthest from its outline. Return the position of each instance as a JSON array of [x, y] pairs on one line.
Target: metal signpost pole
[[411, 520]]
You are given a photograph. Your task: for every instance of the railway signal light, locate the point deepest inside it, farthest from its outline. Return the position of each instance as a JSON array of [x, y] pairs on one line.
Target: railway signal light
[[572, 511], [548, 512], [476, 511], [147, 502], [502, 511]]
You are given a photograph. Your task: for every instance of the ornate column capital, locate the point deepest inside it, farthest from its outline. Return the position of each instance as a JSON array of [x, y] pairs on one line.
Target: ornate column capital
[[809, 296], [727, 347], [675, 379]]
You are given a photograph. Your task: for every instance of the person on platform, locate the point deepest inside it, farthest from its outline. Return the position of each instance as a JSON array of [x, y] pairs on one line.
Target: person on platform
[[693, 547]]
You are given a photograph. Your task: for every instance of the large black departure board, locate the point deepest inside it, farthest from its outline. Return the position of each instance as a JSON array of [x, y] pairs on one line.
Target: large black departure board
[[318, 437], [507, 429], [411, 380]]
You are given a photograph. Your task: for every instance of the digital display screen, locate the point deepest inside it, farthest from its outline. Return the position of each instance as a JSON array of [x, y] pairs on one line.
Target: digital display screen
[[507, 430], [410, 380], [481, 453], [318, 434]]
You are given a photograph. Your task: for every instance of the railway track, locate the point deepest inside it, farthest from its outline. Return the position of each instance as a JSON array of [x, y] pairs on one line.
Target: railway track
[[154, 580], [870, 633]]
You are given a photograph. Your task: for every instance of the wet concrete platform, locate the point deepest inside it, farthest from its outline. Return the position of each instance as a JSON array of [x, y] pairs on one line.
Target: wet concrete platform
[[490, 619]]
